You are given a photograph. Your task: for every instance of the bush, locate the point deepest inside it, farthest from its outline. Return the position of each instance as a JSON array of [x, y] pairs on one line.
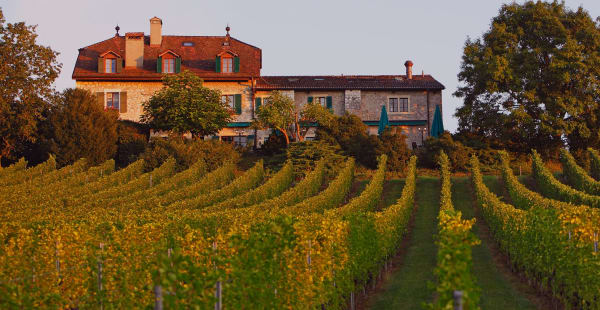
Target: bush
[[304, 155], [456, 151], [275, 144], [393, 144], [186, 152], [132, 142], [79, 127], [350, 133]]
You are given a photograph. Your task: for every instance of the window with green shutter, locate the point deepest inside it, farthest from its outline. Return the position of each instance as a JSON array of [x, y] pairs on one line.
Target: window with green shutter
[[238, 103], [310, 99], [100, 65], [236, 64], [159, 65], [177, 64], [218, 63], [257, 103], [330, 103]]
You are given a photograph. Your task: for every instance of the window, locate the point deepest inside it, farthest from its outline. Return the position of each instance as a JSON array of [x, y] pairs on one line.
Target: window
[[393, 104], [112, 101], [236, 140], [396, 105], [188, 43], [229, 100], [110, 65], [169, 65], [321, 100], [227, 66]]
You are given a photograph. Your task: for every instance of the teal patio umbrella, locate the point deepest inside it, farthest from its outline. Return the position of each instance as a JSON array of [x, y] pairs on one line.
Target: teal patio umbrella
[[383, 120], [437, 127]]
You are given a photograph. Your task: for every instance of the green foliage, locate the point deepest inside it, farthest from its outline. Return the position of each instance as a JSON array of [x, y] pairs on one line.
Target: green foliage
[[249, 180], [132, 142], [594, 163], [278, 113], [537, 243], [27, 71], [457, 153], [79, 127], [275, 144], [550, 187], [350, 133], [23, 175], [369, 198], [577, 176], [273, 187], [304, 155], [187, 152], [454, 258], [21, 164], [393, 144], [185, 105], [330, 197], [529, 86]]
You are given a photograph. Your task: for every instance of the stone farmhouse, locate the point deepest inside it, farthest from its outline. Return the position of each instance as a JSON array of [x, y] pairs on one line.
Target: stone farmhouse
[[124, 71]]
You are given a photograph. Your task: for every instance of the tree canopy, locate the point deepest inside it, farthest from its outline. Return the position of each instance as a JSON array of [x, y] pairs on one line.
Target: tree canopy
[[185, 105], [79, 127], [27, 71], [280, 112], [532, 80]]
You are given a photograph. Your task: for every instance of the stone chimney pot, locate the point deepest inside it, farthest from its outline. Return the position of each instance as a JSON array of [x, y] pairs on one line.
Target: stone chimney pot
[[408, 64]]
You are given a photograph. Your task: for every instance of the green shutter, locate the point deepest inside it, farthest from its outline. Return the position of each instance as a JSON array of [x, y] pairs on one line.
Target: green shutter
[[177, 64], [236, 64], [257, 103], [237, 99], [329, 103], [310, 99], [100, 65], [159, 65], [218, 63]]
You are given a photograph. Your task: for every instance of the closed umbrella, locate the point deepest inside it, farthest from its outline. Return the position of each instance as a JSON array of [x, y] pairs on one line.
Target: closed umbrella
[[383, 120], [437, 127]]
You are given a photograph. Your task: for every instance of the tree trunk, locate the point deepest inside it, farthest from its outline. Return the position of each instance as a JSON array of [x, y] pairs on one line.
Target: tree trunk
[[285, 134]]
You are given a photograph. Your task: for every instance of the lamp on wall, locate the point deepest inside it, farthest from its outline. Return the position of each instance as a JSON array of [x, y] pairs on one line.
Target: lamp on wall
[[422, 130]]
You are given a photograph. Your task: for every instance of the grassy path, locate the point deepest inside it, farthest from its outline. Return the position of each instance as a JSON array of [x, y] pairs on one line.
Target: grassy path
[[497, 291], [407, 287]]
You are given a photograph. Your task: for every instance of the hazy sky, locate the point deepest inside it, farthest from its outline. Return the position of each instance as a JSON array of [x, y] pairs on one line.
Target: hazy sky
[[296, 37]]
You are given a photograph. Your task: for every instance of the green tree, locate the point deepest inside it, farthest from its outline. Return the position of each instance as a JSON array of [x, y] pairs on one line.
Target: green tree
[[79, 127], [533, 78], [393, 144], [185, 105], [27, 71], [280, 112]]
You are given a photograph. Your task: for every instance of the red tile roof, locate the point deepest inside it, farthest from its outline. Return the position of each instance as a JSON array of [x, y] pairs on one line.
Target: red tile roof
[[374, 82], [199, 58]]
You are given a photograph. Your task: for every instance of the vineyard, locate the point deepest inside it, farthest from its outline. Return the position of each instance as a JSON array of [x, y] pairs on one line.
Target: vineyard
[[98, 237]]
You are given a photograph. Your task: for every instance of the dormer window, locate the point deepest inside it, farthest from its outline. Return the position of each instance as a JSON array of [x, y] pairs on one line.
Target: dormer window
[[168, 62], [110, 62], [227, 62]]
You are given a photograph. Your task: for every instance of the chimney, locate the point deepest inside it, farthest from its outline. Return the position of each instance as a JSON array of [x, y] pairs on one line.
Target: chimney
[[134, 49], [408, 64], [155, 31]]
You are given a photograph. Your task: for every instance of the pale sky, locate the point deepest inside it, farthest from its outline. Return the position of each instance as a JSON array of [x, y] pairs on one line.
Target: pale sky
[[306, 37]]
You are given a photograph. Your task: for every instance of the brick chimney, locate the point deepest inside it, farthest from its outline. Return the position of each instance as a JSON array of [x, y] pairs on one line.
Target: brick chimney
[[155, 31], [408, 64], [134, 49]]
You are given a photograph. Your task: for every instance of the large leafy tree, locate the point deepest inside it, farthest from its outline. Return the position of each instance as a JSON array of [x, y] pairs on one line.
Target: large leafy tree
[[27, 71], [185, 105], [280, 112], [532, 80], [79, 127]]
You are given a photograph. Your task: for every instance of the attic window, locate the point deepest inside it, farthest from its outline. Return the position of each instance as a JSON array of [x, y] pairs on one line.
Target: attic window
[[319, 79], [188, 43], [293, 79]]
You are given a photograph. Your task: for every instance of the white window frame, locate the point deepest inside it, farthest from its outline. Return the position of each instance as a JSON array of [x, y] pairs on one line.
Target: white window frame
[[387, 104], [324, 96], [232, 101], [112, 68]]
